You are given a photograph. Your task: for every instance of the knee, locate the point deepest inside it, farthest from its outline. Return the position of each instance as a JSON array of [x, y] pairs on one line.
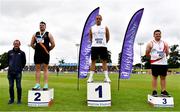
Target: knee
[[18, 86], [38, 67], [163, 77], [11, 86]]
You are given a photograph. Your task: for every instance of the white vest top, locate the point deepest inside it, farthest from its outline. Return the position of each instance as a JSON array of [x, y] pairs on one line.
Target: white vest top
[[158, 55], [98, 36]]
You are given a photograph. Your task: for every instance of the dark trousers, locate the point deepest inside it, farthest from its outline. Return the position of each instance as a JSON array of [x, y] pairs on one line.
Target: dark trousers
[[17, 78]]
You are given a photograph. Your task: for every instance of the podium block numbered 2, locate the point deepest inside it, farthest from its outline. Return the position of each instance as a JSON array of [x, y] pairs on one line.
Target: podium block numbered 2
[[99, 94], [40, 98], [161, 101]]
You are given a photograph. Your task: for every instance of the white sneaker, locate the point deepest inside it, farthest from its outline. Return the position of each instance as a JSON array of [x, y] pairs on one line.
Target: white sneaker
[[90, 80], [107, 80]]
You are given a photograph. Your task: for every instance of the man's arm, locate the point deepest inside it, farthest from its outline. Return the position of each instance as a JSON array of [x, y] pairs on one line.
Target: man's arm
[[90, 35], [33, 41], [51, 41], [148, 49], [23, 59], [107, 35], [166, 49]]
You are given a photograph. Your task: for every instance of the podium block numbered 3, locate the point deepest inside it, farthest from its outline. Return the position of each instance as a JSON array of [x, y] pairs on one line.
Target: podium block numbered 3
[[161, 101], [99, 94], [40, 98]]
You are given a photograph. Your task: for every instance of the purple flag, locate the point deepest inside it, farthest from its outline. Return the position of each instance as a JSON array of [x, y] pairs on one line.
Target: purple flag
[[85, 46], [126, 61]]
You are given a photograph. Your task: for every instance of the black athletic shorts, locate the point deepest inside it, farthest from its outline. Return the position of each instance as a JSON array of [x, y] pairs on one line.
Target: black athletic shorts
[[40, 58], [159, 70], [97, 52]]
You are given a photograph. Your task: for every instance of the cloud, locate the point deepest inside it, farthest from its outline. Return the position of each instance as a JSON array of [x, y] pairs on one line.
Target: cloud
[[19, 19]]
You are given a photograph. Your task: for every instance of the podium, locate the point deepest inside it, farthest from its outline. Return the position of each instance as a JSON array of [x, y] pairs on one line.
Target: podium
[[161, 101], [99, 94], [40, 98]]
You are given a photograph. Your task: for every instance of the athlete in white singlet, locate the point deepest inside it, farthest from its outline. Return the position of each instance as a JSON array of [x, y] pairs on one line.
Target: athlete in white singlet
[[99, 37]]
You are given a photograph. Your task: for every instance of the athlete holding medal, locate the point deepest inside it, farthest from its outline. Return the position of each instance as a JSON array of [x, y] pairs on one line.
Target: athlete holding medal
[[42, 42], [158, 51]]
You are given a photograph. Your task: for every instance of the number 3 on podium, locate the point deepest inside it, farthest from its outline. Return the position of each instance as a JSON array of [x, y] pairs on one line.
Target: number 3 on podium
[[164, 101]]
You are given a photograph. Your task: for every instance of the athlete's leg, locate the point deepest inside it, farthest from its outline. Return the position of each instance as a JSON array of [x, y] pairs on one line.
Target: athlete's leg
[[154, 82], [105, 69], [38, 75], [94, 56], [45, 76], [92, 69], [104, 65], [163, 82], [93, 65]]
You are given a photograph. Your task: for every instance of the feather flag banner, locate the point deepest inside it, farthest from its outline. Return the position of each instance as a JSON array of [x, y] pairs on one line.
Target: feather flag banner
[[127, 54]]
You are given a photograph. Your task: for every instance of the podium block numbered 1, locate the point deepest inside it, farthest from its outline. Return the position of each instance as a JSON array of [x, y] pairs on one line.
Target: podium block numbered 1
[[99, 94], [40, 98], [161, 101]]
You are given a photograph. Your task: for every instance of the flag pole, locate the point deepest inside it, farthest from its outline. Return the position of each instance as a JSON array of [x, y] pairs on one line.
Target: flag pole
[[78, 84], [118, 83]]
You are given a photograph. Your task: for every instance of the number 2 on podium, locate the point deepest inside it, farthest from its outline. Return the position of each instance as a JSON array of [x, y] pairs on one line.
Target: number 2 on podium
[[37, 98], [99, 88]]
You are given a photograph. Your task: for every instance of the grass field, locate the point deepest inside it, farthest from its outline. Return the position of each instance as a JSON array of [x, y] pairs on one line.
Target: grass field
[[132, 95]]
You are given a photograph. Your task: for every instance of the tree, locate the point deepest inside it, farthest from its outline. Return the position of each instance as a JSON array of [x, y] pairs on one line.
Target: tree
[[146, 60], [3, 60], [174, 57], [119, 58], [138, 65], [62, 61]]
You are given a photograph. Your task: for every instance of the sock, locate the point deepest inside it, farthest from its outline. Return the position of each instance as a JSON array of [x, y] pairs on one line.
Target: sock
[[106, 74], [46, 85], [91, 74], [38, 84]]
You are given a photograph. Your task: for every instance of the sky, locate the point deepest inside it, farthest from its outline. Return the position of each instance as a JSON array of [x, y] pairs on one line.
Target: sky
[[19, 19]]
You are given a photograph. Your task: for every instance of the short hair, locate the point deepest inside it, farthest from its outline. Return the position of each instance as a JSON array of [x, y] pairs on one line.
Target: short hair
[[157, 31], [99, 15], [42, 22], [17, 41]]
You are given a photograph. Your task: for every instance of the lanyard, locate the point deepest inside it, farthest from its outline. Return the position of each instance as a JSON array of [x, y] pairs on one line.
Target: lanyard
[[42, 34]]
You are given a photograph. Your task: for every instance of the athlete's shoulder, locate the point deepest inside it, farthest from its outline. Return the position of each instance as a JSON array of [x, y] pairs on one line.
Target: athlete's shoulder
[[10, 51], [22, 52], [150, 42], [37, 33], [93, 26], [164, 42]]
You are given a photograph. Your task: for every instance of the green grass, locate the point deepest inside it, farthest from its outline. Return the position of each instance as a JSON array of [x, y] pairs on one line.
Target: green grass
[[132, 95]]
